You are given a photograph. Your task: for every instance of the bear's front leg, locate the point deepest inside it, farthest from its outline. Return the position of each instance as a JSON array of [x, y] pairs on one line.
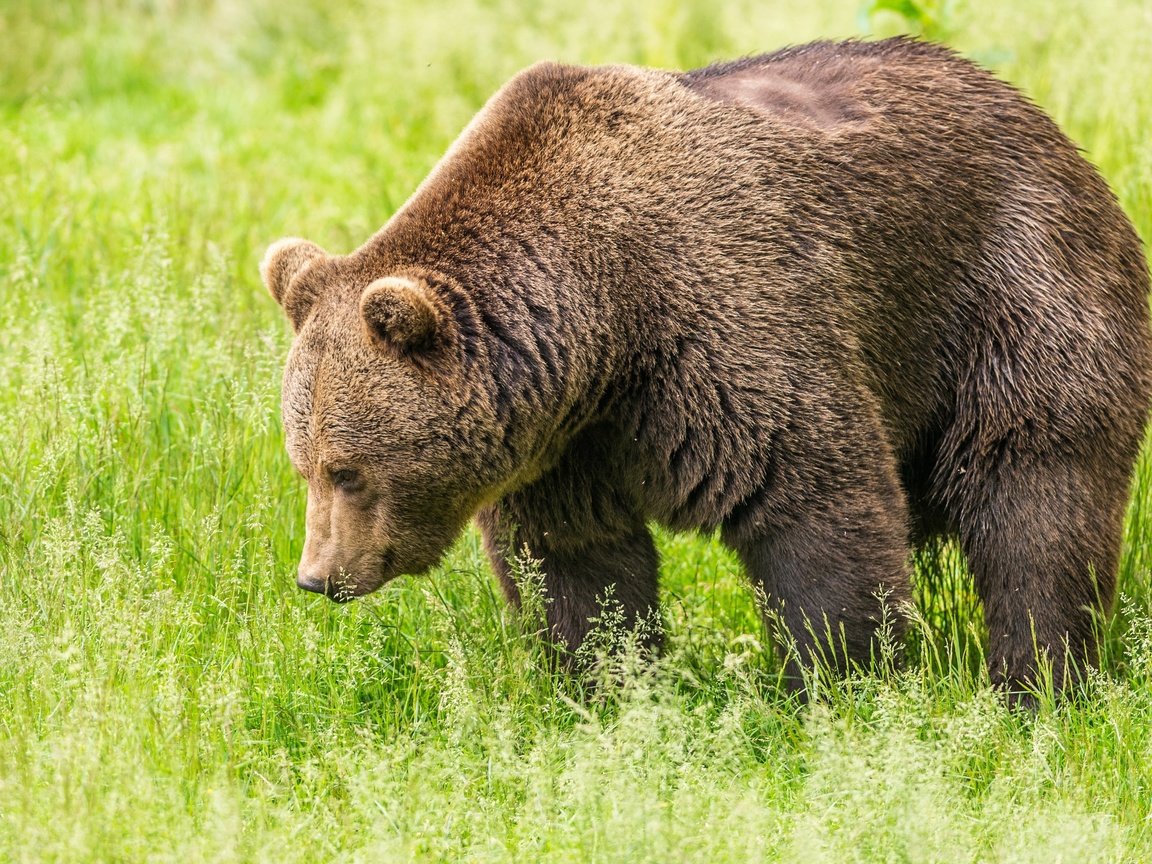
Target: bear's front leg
[[587, 561], [833, 565], [836, 581]]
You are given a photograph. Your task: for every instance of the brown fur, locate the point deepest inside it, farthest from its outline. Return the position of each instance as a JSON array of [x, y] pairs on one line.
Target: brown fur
[[832, 301]]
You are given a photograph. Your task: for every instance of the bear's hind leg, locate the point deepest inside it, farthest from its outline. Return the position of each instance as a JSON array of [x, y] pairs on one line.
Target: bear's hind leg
[[1042, 533]]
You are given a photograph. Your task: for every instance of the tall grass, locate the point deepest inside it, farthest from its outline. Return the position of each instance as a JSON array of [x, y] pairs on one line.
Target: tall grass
[[165, 691]]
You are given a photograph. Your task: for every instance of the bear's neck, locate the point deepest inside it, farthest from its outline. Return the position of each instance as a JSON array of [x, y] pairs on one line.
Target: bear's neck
[[545, 324]]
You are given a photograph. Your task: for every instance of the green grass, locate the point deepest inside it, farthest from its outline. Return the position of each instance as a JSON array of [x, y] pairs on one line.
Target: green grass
[[166, 693]]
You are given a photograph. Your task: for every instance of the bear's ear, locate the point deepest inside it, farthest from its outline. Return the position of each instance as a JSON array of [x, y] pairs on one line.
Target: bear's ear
[[402, 313], [283, 262]]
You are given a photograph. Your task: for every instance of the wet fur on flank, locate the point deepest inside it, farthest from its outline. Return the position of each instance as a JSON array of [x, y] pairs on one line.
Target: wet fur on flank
[[833, 301]]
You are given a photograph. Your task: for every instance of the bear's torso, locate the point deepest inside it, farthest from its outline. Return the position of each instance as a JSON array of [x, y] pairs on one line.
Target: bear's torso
[[710, 271]]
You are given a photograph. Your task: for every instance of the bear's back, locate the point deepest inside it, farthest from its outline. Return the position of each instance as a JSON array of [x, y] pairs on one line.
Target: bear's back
[[818, 85], [836, 85]]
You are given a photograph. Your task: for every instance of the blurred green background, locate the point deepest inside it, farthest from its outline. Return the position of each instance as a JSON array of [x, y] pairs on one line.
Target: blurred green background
[[166, 694]]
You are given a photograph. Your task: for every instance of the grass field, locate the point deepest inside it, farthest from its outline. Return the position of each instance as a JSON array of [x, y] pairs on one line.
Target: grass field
[[167, 694]]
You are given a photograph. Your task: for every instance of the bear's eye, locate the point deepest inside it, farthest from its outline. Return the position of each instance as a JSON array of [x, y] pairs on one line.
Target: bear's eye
[[346, 479]]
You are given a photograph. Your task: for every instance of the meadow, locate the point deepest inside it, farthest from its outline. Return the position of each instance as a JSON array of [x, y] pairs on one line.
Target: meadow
[[168, 694]]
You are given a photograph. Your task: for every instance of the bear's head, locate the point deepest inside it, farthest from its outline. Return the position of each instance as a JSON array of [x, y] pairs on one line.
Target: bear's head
[[381, 417]]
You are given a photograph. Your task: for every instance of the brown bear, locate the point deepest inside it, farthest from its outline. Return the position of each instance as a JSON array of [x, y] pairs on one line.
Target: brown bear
[[832, 301]]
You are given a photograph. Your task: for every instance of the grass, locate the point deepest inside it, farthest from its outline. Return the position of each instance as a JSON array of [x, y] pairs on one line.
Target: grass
[[166, 694]]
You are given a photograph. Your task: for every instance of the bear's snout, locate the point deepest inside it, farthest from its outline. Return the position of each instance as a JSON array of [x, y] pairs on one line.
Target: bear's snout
[[348, 579], [312, 581], [338, 588]]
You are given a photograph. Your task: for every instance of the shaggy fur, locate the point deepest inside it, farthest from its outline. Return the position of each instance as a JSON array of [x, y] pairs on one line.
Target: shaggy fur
[[833, 301]]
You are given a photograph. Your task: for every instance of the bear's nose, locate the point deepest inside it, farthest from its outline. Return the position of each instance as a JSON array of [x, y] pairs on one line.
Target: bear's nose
[[311, 581]]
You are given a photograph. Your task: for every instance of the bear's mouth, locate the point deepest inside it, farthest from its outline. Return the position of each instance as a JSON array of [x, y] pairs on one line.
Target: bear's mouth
[[343, 587]]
